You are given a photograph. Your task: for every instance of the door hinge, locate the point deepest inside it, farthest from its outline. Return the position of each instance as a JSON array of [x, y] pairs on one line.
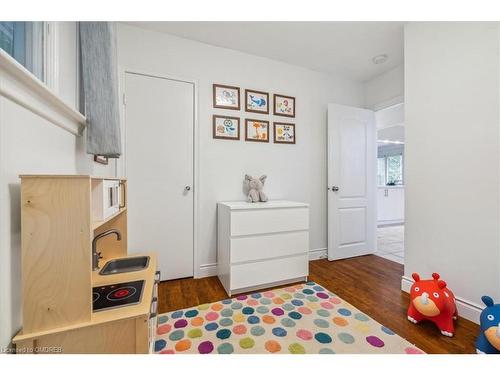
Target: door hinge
[[124, 100]]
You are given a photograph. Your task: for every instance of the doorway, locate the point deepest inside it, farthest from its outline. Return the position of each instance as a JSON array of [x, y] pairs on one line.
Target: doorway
[[159, 165], [390, 183]]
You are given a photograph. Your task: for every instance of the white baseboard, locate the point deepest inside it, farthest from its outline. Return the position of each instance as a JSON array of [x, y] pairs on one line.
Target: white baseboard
[[206, 270], [316, 254], [466, 309], [210, 269]]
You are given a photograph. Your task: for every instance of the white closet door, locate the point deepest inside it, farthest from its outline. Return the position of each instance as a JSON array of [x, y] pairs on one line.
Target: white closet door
[[159, 120]]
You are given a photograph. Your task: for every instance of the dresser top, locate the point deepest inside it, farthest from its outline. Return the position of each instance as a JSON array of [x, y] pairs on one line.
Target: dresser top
[[242, 205]]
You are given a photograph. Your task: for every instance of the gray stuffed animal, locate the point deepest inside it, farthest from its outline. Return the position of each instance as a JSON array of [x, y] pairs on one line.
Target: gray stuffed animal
[[254, 187]]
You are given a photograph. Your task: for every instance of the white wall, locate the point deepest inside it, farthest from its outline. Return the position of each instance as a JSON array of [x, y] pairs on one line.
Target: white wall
[[390, 116], [295, 172], [452, 197], [30, 144], [385, 89]]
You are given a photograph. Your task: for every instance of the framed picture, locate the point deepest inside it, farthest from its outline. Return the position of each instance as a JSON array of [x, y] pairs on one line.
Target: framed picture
[[256, 130], [101, 159], [284, 105], [256, 101], [225, 127], [226, 97], [284, 133]]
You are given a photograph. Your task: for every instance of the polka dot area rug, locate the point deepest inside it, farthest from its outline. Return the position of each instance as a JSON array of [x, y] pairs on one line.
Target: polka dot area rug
[[297, 319]]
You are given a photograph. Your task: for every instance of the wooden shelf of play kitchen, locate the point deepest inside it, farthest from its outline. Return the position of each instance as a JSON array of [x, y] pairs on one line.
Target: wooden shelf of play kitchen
[[57, 229]]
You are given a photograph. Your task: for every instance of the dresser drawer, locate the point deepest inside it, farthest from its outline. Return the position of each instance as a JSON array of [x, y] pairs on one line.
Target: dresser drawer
[[265, 246], [247, 222], [268, 271]]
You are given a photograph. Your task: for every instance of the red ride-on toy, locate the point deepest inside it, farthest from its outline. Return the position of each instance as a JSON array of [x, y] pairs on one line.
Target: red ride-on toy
[[432, 300]]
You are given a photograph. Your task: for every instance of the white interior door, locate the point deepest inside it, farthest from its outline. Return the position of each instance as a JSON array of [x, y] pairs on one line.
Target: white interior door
[[159, 124], [352, 218]]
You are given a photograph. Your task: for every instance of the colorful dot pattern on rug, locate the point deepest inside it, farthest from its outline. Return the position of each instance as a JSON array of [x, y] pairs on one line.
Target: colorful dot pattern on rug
[[298, 319]]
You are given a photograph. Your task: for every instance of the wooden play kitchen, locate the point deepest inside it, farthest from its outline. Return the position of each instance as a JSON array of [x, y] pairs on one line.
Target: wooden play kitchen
[[68, 306]]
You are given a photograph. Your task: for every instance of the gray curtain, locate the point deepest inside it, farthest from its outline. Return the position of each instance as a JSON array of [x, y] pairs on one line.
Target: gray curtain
[[100, 88]]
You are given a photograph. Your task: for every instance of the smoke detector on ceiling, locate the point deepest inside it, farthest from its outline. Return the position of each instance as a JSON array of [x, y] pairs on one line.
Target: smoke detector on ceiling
[[380, 59]]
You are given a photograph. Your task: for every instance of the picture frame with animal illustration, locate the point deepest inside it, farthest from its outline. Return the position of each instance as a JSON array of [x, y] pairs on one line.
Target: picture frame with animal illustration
[[226, 97], [256, 101], [284, 105], [284, 133], [256, 130], [226, 127]]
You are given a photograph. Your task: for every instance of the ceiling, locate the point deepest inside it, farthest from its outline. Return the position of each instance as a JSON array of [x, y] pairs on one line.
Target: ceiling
[[345, 48]]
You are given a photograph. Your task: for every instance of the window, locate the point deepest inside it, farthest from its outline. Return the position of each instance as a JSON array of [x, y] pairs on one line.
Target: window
[[390, 170], [394, 170], [25, 42]]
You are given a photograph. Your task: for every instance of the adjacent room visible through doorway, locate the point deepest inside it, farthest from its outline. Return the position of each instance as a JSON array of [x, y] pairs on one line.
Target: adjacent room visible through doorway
[[390, 242], [390, 183]]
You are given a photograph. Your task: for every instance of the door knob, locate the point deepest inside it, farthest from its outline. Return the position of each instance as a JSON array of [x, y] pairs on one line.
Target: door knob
[[187, 188], [335, 188]]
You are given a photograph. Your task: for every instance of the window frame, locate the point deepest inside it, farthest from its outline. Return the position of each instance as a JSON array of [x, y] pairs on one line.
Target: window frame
[[50, 55], [41, 97], [385, 170]]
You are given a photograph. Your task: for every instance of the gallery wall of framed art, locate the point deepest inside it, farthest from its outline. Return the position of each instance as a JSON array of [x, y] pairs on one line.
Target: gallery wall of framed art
[[227, 127]]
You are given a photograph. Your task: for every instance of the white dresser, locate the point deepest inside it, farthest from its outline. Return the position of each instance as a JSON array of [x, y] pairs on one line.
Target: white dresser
[[262, 244]]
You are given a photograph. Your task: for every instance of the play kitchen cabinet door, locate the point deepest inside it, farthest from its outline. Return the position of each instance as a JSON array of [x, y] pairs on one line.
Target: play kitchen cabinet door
[[108, 197], [262, 244]]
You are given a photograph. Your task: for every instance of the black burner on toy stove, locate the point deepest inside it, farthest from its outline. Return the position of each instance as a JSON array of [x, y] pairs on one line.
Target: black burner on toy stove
[[117, 295]]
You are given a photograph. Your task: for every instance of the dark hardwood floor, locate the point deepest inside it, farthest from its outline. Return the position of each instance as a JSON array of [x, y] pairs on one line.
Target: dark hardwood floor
[[370, 283]]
